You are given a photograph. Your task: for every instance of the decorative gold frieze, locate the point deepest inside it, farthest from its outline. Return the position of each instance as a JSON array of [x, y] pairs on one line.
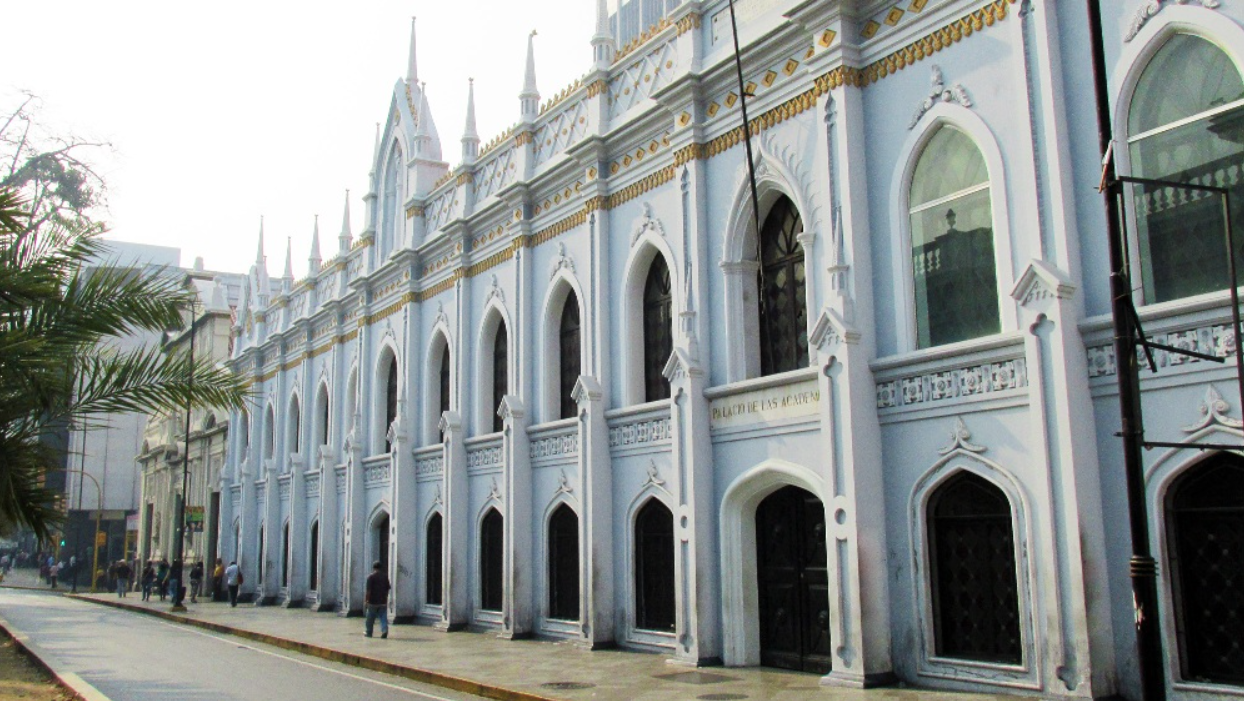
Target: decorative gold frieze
[[687, 23], [413, 211]]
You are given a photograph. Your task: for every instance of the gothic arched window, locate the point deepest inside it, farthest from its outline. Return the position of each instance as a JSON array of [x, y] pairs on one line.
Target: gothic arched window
[[972, 568], [444, 380], [295, 425], [564, 564], [269, 438], [313, 564], [658, 329], [322, 405], [390, 402], [1205, 516], [500, 373], [783, 296], [1186, 124], [654, 567], [491, 561], [434, 562], [391, 209], [568, 342], [952, 252]]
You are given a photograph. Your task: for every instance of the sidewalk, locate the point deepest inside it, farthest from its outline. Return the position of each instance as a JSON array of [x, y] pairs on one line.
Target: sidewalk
[[483, 664]]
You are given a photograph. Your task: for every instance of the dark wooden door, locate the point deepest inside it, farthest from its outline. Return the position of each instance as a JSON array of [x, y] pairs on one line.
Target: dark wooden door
[[491, 561], [793, 581], [382, 544]]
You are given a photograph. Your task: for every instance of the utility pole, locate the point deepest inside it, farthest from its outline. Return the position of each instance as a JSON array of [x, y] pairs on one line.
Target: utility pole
[[179, 506], [1143, 568]]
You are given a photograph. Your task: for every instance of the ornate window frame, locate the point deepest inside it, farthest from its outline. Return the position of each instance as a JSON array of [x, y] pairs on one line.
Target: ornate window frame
[[495, 316], [961, 118], [646, 248], [379, 408], [1133, 59], [1026, 675], [562, 285], [440, 342]]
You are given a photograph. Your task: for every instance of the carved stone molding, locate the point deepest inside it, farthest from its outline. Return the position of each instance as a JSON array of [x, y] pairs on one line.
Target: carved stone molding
[[1146, 12], [639, 433], [1215, 339], [1214, 412], [562, 261], [960, 439], [944, 385], [646, 223], [939, 92]]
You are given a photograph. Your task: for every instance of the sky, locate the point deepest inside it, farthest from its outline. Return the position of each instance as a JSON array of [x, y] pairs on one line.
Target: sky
[[219, 113]]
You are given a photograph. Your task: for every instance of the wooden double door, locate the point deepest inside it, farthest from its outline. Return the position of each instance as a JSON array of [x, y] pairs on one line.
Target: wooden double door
[[793, 581]]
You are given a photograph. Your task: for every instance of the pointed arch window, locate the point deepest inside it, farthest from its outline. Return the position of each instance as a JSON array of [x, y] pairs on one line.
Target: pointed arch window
[[1205, 519], [491, 561], [390, 402], [500, 373], [783, 298], [295, 425], [654, 567], [1186, 124], [564, 564], [972, 568], [434, 564], [658, 329], [314, 558], [323, 426], [444, 380], [569, 333], [285, 556], [392, 196], [952, 251], [269, 438]]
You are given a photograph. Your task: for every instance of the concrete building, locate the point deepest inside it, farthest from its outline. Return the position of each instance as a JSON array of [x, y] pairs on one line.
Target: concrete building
[[578, 386], [105, 452]]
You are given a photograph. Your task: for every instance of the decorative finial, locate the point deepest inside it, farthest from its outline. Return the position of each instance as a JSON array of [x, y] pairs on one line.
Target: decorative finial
[[530, 96], [343, 240], [314, 260], [412, 69]]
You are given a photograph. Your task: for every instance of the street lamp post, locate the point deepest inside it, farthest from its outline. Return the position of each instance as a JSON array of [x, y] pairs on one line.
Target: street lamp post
[[179, 506]]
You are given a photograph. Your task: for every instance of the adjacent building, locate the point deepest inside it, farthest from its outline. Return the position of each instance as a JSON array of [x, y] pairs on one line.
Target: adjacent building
[[177, 454], [587, 385]]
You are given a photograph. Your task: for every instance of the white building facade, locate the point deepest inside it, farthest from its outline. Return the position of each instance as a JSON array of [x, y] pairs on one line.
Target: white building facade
[[578, 387]]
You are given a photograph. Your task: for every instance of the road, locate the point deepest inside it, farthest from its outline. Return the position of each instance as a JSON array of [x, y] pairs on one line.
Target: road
[[127, 656]]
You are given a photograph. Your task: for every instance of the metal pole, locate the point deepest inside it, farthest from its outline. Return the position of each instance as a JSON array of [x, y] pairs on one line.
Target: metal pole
[[180, 511], [77, 531], [99, 512], [747, 129], [1143, 569]]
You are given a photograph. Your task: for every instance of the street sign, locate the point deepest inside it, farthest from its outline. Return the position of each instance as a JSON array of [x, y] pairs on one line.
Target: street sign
[[194, 519], [101, 538]]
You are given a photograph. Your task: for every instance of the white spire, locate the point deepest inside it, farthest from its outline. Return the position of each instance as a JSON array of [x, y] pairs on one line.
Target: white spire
[[427, 141], [313, 262], [289, 263], [343, 240], [412, 70], [259, 256], [470, 137], [530, 96], [603, 45]]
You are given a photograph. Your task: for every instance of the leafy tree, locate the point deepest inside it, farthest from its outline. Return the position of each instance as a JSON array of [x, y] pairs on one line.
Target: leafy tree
[[59, 323]]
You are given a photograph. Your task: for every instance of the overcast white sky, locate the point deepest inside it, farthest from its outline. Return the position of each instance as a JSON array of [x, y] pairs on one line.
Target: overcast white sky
[[221, 112]]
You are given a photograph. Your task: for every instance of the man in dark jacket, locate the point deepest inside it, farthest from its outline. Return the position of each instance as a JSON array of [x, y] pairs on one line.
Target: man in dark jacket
[[376, 601]]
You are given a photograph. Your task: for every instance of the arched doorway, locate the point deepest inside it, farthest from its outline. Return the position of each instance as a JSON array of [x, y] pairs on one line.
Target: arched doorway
[[792, 581], [434, 561], [1205, 517], [381, 540]]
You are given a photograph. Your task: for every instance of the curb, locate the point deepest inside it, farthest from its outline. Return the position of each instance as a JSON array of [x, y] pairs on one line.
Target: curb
[[347, 658], [68, 681]]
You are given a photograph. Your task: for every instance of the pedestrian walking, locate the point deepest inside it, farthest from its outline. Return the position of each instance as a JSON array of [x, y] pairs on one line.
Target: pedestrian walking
[[218, 580], [196, 581], [174, 583], [233, 580], [376, 601], [52, 572], [123, 577], [148, 580], [162, 578]]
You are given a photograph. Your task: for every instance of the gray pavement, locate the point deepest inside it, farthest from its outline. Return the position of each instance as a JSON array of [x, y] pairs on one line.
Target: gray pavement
[[126, 656], [507, 669]]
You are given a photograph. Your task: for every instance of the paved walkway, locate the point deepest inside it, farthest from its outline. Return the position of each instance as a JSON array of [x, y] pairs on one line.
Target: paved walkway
[[483, 664]]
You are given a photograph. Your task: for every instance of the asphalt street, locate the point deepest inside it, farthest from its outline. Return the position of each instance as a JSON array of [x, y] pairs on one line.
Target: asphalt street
[[127, 656]]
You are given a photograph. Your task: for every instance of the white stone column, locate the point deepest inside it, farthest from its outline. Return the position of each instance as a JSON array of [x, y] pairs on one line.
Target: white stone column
[[696, 570], [518, 600], [455, 608], [596, 585], [326, 561], [1075, 637], [404, 522]]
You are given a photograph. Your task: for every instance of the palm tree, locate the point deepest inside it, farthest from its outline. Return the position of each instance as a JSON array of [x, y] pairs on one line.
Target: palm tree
[[58, 359]]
